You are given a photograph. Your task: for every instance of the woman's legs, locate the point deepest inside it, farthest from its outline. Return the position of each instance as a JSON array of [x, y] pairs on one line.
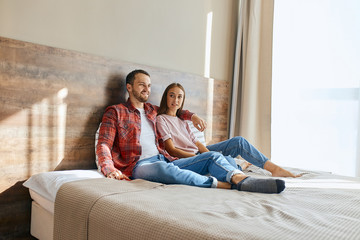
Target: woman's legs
[[232, 161], [277, 171], [240, 146]]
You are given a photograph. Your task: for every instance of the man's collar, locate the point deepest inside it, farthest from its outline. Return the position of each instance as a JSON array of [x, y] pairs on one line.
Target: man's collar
[[130, 106]]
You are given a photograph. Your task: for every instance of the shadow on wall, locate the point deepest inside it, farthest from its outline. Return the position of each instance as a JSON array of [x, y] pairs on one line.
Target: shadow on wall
[[51, 103], [44, 123], [84, 147]]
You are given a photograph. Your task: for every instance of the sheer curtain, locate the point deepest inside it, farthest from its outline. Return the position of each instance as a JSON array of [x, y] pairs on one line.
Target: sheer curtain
[[250, 113], [316, 80]]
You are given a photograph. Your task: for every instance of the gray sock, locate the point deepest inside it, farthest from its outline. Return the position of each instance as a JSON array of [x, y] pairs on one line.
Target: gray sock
[[261, 185]]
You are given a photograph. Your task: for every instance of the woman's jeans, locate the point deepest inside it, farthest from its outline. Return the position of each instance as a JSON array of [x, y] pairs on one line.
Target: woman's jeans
[[191, 171], [240, 146]]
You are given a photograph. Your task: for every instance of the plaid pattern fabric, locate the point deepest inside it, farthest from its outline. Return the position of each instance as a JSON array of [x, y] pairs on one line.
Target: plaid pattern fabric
[[119, 137]]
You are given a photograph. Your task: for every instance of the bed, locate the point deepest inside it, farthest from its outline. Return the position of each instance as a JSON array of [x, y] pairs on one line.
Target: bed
[[53, 103], [82, 204]]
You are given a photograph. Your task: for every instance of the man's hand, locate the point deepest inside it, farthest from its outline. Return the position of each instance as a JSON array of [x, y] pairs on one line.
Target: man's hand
[[117, 175], [198, 122]]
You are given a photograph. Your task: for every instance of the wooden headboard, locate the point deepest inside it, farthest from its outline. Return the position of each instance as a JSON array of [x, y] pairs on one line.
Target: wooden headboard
[[52, 101]]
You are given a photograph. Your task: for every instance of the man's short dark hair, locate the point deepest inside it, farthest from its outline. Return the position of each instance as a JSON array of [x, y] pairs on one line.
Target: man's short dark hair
[[131, 76]]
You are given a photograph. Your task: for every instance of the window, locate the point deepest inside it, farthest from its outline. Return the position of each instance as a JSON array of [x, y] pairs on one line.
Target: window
[[316, 80]]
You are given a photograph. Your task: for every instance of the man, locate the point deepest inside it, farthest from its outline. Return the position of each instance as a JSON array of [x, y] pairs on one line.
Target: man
[[128, 148]]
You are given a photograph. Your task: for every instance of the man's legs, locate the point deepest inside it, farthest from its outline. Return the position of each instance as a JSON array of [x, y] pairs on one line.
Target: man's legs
[[156, 169], [212, 163], [218, 166], [188, 171]]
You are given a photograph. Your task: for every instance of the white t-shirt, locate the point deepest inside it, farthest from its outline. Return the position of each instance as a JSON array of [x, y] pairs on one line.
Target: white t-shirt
[[147, 137], [179, 132]]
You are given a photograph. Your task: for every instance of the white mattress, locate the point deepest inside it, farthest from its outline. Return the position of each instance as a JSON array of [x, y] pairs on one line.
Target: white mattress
[[41, 201], [42, 222]]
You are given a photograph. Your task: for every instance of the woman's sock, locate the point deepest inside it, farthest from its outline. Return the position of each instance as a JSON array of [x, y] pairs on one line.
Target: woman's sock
[[261, 185]]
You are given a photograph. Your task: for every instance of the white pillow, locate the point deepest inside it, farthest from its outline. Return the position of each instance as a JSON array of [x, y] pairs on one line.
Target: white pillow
[[48, 183], [199, 135], [96, 157]]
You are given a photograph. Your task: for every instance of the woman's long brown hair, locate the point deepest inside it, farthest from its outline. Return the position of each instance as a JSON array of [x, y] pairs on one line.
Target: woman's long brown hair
[[163, 104]]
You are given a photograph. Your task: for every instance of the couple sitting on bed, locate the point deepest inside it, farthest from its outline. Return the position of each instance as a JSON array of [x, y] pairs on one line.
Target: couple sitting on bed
[[138, 140]]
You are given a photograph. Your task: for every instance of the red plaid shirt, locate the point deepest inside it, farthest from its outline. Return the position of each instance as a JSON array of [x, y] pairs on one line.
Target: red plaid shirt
[[119, 137]]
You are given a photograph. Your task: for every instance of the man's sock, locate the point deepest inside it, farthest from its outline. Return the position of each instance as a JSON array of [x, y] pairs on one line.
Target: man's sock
[[261, 185]]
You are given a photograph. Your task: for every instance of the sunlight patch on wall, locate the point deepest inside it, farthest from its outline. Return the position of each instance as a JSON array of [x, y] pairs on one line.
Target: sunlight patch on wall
[[37, 136], [209, 117], [61, 108], [208, 44], [210, 100], [46, 132]]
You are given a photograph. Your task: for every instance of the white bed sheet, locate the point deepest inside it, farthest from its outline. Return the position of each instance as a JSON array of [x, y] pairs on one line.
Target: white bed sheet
[[48, 183], [43, 202]]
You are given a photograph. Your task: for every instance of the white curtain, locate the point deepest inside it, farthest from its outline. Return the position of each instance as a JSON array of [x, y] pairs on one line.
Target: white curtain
[[250, 114]]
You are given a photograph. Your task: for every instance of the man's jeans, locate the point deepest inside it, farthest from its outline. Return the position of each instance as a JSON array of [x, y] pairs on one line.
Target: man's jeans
[[188, 171], [191, 171]]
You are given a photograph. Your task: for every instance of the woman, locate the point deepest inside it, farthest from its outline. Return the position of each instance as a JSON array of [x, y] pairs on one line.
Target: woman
[[180, 142]]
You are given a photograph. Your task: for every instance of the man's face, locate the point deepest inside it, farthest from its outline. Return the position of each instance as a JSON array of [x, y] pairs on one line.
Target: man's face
[[141, 88]]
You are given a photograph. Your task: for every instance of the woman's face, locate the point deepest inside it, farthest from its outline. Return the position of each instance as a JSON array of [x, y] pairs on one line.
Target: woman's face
[[175, 98]]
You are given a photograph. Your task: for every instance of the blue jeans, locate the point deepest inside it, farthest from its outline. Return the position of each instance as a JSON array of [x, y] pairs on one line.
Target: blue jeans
[[188, 171], [240, 146]]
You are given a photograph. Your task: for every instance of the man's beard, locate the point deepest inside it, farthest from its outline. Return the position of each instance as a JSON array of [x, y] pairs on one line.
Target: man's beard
[[139, 97]]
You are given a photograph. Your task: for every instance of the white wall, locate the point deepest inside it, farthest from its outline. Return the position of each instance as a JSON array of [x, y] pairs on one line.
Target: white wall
[[163, 33]]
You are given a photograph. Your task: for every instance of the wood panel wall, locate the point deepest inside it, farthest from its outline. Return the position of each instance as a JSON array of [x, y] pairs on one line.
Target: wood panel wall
[[51, 102]]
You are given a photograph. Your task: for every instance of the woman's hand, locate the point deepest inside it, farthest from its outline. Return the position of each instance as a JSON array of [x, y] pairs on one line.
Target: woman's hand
[[118, 175], [198, 122], [201, 147]]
